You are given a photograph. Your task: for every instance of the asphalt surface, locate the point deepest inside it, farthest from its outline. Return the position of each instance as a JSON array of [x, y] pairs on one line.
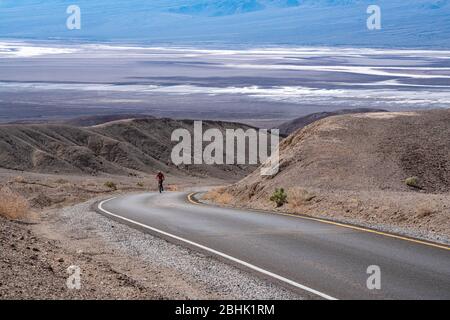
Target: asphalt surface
[[317, 259]]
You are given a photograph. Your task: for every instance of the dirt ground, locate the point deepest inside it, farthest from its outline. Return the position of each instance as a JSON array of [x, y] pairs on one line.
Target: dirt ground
[[33, 267], [116, 262], [36, 251]]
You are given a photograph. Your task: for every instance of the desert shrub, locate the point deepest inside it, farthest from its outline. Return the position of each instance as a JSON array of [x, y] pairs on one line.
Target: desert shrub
[[19, 179], [61, 181], [424, 212], [172, 187], [111, 185], [426, 209], [412, 182], [299, 197], [279, 197], [12, 205], [219, 196]]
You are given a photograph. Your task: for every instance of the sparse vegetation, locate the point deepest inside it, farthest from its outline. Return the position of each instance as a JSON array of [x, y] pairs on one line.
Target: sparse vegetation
[[22, 180], [298, 197], [12, 205], [89, 156], [172, 187], [89, 183], [413, 182], [219, 196], [19, 179], [111, 185], [61, 181], [140, 184], [279, 197]]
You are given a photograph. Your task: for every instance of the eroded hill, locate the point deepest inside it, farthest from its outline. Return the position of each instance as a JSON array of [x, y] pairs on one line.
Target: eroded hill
[[121, 147], [359, 168], [299, 123], [374, 151]]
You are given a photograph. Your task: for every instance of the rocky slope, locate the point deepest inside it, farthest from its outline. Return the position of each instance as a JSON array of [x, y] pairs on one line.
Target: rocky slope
[[374, 151], [123, 147], [355, 168], [299, 123]]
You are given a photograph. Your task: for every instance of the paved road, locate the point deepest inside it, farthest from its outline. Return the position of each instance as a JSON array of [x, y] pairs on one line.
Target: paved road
[[321, 260]]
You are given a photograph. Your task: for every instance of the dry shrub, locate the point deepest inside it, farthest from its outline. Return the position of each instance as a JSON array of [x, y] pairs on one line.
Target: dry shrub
[[279, 197], [61, 181], [172, 187], [111, 185], [219, 196], [425, 210], [89, 183], [298, 197], [413, 182], [12, 205], [19, 179]]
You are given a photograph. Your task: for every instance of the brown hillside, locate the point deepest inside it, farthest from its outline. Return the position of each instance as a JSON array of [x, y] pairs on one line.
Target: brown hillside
[[354, 168], [299, 123], [120, 147], [375, 151]]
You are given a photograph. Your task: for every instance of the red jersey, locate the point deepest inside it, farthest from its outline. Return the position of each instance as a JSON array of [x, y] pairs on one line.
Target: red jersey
[[160, 176]]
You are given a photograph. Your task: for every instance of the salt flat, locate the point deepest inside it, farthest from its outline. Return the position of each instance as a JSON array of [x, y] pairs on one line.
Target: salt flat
[[257, 85]]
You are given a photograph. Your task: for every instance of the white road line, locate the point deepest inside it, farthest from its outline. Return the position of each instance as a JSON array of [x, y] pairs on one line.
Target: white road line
[[246, 264]]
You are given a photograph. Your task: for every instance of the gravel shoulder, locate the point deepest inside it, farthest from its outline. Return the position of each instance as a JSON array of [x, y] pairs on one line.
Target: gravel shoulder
[[116, 262]]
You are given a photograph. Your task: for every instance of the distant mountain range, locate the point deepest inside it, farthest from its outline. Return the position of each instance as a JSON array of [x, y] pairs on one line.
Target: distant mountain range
[[412, 23]]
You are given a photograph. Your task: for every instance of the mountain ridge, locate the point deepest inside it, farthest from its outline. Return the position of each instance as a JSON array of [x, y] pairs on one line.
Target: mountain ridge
[[416, 23], [123, 147]]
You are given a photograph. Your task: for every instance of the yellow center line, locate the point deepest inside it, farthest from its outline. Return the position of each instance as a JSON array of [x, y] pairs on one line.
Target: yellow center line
[[340, 224]]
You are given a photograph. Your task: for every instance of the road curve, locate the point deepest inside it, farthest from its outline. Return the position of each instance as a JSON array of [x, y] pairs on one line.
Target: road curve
[[321, 260]]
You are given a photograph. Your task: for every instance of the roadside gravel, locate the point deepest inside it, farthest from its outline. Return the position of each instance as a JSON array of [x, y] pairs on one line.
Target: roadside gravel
[[33, 267], [169, 270]]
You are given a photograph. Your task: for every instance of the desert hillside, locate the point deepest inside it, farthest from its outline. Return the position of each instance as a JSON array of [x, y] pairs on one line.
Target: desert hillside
[[375, 151], [123, 147], [296, 22], [299, 123], [378, 169]]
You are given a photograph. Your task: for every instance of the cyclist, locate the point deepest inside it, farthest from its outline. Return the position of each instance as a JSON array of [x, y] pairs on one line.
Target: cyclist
[[160, 177]]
